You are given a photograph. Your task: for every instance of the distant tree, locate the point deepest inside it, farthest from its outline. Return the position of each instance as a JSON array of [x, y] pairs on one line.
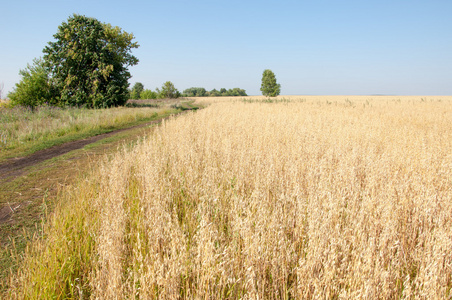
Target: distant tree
[[168, 91], [269, 86], [190, 92], [137, 88], [231, 93], [238, 92], [201, 92], [148, 94], [89, 61], [223, 92], [35, 88], [195, 92], [214, 93]]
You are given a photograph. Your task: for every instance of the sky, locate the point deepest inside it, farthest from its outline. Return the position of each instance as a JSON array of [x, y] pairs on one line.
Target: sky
[[322, 47]]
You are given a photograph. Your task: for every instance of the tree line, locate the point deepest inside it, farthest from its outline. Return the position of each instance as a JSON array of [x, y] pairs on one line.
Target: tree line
[[87, 66], [169, 91], [202, 92]]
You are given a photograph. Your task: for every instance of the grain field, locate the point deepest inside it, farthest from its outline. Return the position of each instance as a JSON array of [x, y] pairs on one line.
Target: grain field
[[305, 198]]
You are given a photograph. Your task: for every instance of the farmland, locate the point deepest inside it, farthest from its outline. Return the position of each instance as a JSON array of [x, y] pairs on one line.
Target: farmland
[[289, 197]]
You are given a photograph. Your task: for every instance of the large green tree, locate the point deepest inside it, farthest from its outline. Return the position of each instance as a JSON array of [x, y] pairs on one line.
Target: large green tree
[[269, 86], [89, 62]]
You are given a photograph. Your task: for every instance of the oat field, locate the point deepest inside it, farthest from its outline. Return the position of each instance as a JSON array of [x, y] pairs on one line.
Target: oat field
[[295, 198]]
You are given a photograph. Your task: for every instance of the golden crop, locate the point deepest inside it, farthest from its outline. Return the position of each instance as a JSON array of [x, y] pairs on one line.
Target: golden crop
[[315, 198]]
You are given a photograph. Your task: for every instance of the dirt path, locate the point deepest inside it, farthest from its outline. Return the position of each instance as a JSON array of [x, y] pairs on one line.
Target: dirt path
[[15, 167], [30, 186], [18, 167], [19, 193]]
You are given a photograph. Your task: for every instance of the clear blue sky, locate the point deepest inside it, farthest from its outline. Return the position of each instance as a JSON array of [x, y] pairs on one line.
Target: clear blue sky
[[313, 47]]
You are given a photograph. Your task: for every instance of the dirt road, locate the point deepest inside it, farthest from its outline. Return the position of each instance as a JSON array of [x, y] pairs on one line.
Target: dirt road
[[18, 167], [15, 167]]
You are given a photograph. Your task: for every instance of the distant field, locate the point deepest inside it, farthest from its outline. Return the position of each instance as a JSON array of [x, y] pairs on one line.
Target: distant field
[[329, 98], [306, 197]]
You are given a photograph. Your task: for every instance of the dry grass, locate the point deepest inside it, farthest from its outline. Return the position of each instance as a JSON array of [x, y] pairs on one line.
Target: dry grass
[[313, 198]]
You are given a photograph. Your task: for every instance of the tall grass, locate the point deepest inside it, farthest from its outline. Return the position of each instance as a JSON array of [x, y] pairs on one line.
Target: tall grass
[[23, 129], [308, 199]]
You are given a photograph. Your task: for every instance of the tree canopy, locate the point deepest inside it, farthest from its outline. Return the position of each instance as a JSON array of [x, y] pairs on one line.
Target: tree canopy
[[35, 87], [136, 91], [269, 86], [201, 92], [89, 62], [168, 91], [195, 92]]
